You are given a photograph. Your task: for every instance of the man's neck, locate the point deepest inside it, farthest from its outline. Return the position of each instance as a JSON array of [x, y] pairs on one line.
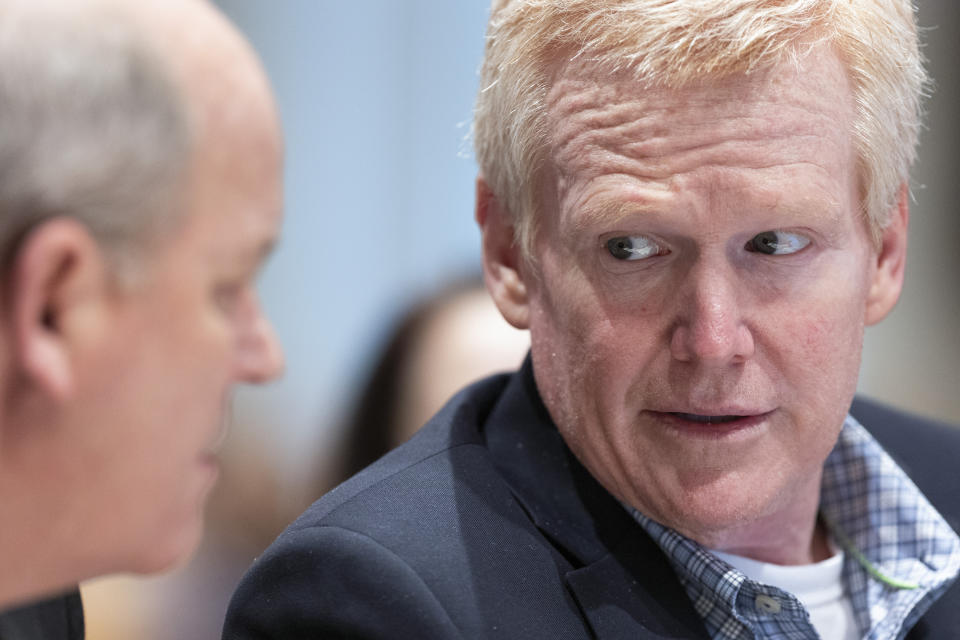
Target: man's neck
[[793, 535], [816, 549], [38, 553], [28, 574]]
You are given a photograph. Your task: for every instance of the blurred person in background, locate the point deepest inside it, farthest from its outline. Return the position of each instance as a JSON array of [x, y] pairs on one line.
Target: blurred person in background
[[451, 338], [140, 190]]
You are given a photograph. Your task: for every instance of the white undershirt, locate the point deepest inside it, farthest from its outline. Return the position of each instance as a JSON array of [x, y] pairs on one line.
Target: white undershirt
[[818, 586]]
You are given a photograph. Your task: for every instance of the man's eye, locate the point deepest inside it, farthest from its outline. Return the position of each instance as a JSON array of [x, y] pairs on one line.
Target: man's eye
[[632, 247], [777, 243]]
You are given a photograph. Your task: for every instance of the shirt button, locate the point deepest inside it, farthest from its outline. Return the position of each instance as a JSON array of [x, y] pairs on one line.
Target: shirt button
[[768, 605]]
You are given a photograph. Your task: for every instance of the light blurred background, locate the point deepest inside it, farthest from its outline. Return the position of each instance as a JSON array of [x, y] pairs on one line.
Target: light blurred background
[[376, 100]]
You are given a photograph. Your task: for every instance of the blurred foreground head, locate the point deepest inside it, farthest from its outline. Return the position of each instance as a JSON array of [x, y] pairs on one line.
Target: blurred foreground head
[[140, 189]]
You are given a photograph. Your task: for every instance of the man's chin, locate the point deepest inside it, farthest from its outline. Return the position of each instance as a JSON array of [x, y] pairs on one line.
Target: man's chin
[[172, 543], [174, 551], [716, 511]]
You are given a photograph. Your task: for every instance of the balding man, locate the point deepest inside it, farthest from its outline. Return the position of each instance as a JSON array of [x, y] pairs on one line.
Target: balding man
[[140, 189]]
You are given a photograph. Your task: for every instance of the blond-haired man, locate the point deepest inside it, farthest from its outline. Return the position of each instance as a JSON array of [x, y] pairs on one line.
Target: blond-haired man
[[139, 190], [695, 208]]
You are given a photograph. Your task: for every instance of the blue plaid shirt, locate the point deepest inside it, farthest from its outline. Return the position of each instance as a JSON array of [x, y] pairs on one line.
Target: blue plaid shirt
[[883, 522]]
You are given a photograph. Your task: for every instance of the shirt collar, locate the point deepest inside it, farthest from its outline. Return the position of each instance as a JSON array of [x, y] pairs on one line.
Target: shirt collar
[[893, 536]]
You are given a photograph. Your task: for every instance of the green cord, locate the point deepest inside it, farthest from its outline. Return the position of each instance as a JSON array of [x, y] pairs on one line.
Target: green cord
[[866, 564]]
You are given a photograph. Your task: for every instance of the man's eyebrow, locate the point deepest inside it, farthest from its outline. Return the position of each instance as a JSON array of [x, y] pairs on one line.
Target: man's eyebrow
[[820, 208], [609, 212], [606, 212]]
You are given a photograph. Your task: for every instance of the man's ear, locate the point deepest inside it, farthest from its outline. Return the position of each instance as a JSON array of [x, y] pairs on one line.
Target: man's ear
[[501, 257], [891, 262], [58, 270]]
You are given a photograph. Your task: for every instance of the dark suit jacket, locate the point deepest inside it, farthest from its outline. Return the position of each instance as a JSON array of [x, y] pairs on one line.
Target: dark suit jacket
[[57, 618], [484, 525]]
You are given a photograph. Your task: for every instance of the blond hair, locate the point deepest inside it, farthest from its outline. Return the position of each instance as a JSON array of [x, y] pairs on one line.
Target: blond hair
[[670, 43]]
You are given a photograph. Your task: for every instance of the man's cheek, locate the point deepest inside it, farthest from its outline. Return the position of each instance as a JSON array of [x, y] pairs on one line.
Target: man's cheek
[[822, 347]]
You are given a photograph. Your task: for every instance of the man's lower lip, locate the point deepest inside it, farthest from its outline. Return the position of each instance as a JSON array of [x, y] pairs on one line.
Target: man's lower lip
[[709, 425]]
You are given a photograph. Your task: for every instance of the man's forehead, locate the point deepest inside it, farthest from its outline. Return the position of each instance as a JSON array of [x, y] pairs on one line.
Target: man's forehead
[[783, 123], [582, 82], [810, 102]]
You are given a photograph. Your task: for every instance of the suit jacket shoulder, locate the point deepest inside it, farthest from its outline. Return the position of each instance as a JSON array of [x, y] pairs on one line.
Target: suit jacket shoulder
[[407, 547]]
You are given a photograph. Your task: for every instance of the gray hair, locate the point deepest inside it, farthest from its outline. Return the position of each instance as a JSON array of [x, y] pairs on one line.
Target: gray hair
[[92, 128]]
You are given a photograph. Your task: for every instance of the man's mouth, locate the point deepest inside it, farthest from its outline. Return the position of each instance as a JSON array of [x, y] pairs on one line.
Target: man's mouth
[[694, 417], [713, 423]]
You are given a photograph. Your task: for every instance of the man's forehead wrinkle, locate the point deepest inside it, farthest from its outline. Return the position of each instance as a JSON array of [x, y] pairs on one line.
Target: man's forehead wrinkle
[[603, 207], [642, 119], [604, 97], [657, 147], [640, 148]]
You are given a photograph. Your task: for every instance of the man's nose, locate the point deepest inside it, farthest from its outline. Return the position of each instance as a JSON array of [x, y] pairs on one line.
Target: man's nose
[[710, 326], [260, 357]]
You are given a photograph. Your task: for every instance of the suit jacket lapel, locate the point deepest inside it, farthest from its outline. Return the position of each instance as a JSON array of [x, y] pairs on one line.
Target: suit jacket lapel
[[618, 576], [632, 592]]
